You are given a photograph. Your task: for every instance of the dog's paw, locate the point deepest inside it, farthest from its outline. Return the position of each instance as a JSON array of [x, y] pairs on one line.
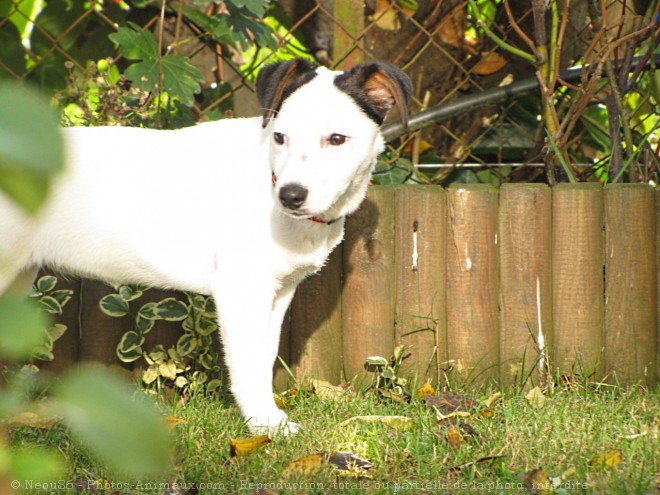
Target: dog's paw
[[276, 423]]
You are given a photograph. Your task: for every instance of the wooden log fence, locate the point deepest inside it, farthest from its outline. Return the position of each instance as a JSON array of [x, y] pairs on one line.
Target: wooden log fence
[[479, 283]]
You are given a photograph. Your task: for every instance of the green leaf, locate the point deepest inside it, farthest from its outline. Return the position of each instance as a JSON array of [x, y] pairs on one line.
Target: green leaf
[[56, 331], [255, 7], [180, 78], [171, 309], [206, 325], [129, 293], [119, 426], [143, 325], [207, 360], [46, 283], [51, 305], [62, 296], [148, 311], [31, 149], [130, 341], [114, 305], [134, 43], [186, 344], [22, 327], [31, 463]]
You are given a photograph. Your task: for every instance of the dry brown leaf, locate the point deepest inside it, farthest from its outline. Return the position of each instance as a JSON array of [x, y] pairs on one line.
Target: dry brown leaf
[[386, 16], [241, 447], [304, 466], [489, 63], [33, 420], [347, 461], [449, 403], [536, 398], [538, 481]]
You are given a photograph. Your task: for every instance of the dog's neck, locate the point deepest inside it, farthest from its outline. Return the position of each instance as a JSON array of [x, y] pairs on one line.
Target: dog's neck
[[273, 179]]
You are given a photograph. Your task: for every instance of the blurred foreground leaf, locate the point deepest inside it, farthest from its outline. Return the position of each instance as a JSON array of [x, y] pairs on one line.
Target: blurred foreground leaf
[[114, 421], [31, 147], [22, 327]]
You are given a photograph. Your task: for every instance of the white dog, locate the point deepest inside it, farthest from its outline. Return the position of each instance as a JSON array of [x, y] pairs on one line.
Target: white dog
[[242, 209]]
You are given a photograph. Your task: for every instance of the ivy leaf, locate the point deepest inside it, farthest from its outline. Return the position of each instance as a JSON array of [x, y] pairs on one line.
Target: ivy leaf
[[171, 309], [114, 305], [46, 283]]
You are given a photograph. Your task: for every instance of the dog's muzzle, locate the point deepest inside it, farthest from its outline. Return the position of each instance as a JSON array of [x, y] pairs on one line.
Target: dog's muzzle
[[293, 196]]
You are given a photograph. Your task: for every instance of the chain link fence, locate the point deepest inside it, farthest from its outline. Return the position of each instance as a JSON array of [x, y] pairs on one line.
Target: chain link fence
[[452, 50]]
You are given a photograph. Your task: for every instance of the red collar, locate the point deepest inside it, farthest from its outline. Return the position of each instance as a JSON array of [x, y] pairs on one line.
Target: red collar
[[273, 179]]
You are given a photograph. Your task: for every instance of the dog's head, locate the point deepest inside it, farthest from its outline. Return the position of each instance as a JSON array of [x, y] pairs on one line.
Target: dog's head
[[324, 132]]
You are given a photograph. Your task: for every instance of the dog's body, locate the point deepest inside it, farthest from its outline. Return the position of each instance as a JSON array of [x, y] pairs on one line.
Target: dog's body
[[240, 209]]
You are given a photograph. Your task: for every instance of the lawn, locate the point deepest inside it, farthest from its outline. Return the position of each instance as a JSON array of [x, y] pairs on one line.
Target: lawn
[[570, 439]]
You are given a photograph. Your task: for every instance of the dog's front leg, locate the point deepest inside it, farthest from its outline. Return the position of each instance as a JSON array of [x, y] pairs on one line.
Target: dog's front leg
[[250, 316]]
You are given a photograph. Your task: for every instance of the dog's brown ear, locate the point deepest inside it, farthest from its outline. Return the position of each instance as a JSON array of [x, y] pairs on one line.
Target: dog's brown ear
[[277, 81], [376, 88]]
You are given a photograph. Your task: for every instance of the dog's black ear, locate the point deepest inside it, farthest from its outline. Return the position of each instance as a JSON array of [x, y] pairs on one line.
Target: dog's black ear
[[376, 88], [277, 81]]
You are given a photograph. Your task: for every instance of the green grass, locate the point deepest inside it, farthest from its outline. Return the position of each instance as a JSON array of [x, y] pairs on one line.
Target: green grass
[[572, 429]]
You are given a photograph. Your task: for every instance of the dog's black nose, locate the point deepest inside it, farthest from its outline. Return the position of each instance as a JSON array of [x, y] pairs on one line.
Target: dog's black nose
[[292, 196]]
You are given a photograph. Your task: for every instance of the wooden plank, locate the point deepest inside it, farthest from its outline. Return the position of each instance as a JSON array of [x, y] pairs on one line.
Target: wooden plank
[[577, 271], [368, 289], [316, 334], [630, 285], [472, 317], [347, 35], [421, 224], [525, 240]]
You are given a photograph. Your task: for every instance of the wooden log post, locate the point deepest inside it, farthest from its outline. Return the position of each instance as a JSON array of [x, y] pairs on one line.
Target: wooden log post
[[524, 239], [315, 339], [420, 272], [630, 284], [368, 289], [577, 270], [99, 333], [66, 350], [472, 317]]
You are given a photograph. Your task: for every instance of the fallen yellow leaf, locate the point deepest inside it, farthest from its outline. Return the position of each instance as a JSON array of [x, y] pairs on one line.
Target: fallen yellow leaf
[[326, 390], [304, 466], [241, 447], [608, 459], [426, 389], [538, 481], [172, 422], [536, 398], [492, 399]]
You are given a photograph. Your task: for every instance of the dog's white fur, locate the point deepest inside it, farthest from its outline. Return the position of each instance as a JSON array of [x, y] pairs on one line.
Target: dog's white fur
[[195, 209]]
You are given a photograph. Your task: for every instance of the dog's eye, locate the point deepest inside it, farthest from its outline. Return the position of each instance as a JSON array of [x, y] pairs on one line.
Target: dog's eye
[[337, 139], [279, 138]]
